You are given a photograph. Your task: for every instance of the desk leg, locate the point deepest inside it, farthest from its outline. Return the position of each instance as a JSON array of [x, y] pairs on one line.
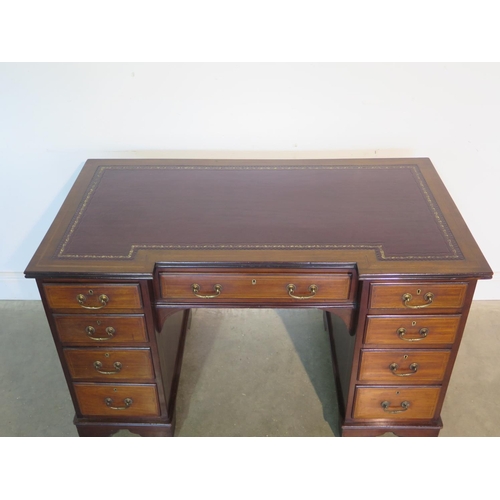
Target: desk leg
[[170, 343], [338, 323]]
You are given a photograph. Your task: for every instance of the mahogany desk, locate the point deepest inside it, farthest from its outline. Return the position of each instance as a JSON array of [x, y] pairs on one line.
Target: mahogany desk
[[138, 243]]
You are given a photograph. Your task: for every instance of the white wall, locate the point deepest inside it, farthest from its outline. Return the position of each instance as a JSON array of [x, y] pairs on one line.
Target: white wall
[[55, 116]]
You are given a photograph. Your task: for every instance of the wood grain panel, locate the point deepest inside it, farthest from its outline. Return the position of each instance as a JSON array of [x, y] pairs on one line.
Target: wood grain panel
[[430, 366], [389, 295], [178, 287], [72, 329], [384, 330], [132, 364], [91, 400], [61, 296], [422, 400]]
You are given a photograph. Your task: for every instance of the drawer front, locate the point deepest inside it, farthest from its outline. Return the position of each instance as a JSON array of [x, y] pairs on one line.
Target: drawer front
[[394, 403], [403, 367], [232, 287], [100, 329], [110, 364], [91, 297], [414, 331], [416, 296], [118, 401]]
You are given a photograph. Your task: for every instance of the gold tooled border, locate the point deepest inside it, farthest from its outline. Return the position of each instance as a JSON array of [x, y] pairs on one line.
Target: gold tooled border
[[455, 251]]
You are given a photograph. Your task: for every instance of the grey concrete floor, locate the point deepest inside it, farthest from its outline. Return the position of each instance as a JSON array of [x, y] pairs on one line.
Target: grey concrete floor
[[246, 372]]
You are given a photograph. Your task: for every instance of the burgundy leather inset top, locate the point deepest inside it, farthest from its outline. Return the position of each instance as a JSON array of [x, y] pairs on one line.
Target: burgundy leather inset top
[[386, 208]]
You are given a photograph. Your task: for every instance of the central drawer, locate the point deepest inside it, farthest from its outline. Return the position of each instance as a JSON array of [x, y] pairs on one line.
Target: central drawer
[[258, 287]]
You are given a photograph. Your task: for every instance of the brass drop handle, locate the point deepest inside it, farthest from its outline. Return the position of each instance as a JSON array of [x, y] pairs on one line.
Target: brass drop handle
[[128, 403], [423, 334], [116, 364], [386, 405], [413, 369], [81, 299], [312, 289], [428, 297], [109, 330], [196, 291]]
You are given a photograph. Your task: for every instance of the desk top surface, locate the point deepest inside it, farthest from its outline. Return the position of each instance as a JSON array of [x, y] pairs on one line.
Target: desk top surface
[[391, 216]]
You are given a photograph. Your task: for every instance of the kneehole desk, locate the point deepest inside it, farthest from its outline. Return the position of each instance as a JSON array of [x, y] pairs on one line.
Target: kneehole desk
[[137, 244]]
